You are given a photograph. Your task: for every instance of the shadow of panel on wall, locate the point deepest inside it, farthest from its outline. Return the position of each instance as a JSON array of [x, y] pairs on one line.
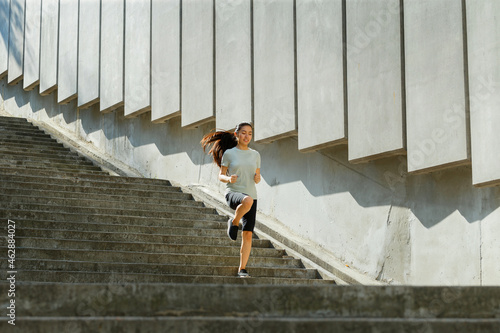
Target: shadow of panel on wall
[[320, 74], [88, 52], [16, 42], [112, 55], [137, 57], [484, 74], [233, 63], [4, 36], [165, 60], [376, 119], [274, 70], [49, 36], [436, 107], [31, 76], [67, 78], [197, 102]]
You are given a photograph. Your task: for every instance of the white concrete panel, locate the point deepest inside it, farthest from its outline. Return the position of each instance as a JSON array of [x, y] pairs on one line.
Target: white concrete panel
[[197, 62], [137, 57], [233, 63], [165, 58], [374, 81], [436, 111], [16, 41], [320, 74], [48, 46], [68, 51], [112, 54], [88, 52], [4, 36], [484, 75], [274, 70], [32, 44]]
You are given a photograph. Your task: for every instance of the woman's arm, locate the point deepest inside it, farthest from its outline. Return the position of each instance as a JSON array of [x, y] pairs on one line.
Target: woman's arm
[[223, 177], [256, 177]]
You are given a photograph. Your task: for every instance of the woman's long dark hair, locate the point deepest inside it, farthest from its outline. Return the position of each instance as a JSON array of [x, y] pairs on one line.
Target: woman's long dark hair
[[220, 141]]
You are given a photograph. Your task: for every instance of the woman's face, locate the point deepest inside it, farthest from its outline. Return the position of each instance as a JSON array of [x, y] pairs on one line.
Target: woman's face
[[244, 135]]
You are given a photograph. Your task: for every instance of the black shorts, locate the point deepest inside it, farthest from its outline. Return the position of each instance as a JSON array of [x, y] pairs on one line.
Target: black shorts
[[233, 200]]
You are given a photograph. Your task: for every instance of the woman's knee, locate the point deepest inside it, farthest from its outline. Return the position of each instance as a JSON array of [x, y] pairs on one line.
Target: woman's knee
[[247, 202]]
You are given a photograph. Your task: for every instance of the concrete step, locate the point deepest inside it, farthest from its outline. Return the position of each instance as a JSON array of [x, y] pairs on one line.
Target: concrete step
[[156, 268], [45, 159], [90, 255], [13, 144], [105, 277], [194, 324], [48, 164], [184, 228], [166, 212], [36, 137], [97, 180], [214, 221], [15, 120], [24, 133], [33, 175], [52, 149], [161, 198], [121, 202], [23, 153], [133, 237], [324, 300], [21, 125], [230, 248]]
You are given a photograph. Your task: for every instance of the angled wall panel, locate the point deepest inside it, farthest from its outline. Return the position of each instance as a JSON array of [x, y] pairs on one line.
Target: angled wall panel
[[274, 70], [436, 111], [32, 44], [48, 46], [484, 74], [112, 54], [374, 81], [320, 74], [137, 57], [233, 56], [165, 58], [4, 36], [16, 41], [88, 52], [68, 52], [197, 62]]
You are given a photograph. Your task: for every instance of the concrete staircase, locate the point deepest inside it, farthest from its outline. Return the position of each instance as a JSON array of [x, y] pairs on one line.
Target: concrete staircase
[[100, 253], [75, 223]]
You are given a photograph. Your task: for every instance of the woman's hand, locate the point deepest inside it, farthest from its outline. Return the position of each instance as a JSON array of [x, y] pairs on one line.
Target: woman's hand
[[256, 177], [233, 179]]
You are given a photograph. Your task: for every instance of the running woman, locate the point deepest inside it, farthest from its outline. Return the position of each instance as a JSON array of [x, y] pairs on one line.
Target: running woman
[[240, 170]]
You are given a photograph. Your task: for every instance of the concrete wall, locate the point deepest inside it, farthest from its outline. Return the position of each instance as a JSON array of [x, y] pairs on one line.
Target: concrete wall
[[285, 61]]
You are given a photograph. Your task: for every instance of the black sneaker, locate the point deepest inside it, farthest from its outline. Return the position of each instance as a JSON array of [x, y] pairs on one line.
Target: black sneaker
[[243, 273], [232, 230]]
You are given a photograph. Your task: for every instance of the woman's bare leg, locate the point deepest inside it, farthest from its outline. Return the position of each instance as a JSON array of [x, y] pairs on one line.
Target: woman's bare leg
[[246, 247]]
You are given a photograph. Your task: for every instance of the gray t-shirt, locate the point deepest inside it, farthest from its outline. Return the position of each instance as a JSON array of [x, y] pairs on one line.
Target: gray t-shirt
[[242, 163]]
